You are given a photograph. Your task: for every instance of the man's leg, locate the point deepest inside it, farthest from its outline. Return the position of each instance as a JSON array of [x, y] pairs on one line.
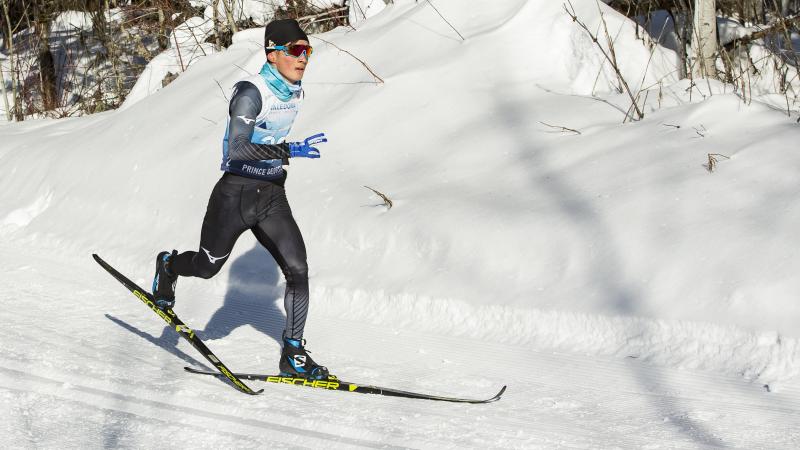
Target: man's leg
[[222, 226], [280, 234]]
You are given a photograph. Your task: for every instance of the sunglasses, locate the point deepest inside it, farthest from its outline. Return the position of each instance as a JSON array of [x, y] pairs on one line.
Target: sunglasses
[[294, 50]]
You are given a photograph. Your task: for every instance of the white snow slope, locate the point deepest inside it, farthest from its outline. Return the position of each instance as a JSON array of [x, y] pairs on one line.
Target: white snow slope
[[629, 297]]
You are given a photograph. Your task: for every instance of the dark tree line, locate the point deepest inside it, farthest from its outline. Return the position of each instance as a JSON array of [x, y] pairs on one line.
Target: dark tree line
[[92, 68]]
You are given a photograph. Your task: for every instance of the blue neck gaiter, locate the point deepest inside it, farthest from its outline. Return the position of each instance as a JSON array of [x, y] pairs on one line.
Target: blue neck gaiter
[[280, 86]]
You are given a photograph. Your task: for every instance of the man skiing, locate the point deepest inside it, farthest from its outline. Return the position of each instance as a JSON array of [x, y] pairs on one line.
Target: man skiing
[[251, 196]]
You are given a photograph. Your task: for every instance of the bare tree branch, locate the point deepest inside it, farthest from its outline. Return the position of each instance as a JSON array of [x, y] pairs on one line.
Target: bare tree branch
[[352, 55], [563, 129], [445, 20], [610, 58]]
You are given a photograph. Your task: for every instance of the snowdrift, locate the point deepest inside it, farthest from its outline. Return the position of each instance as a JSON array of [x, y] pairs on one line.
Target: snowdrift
[[614, 241]]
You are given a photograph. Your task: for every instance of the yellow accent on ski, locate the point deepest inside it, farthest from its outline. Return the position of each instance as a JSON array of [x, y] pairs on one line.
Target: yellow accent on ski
[[167, 316]]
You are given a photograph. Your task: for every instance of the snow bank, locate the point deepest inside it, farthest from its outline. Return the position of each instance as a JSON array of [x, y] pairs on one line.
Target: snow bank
[[69, 21], [186, 46], [763, 356], [613, 241]]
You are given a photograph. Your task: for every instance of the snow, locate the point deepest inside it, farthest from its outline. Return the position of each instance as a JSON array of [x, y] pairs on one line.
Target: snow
[[730, 30], [69, 21], [627, 295]]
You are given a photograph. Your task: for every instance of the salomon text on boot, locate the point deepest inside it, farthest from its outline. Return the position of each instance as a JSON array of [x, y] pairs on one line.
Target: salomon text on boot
[[295, 361]]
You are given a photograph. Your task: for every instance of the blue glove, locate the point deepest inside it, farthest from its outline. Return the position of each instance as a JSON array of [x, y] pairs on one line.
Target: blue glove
[[304, 149]]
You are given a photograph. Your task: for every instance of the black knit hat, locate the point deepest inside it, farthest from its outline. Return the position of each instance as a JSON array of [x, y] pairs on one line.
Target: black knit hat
[[283, 31]]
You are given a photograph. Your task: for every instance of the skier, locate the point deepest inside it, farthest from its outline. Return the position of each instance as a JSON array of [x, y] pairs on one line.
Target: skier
[[251, 196]]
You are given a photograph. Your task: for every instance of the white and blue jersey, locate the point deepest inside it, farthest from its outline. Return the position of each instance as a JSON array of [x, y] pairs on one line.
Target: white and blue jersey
[[258, 123]]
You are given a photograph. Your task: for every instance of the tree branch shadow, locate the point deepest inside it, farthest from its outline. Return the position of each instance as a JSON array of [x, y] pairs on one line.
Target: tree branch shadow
[[608, 273]]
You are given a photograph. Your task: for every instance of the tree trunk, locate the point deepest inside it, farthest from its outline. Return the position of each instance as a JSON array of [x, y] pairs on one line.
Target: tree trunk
[[5, 95], [704, 38], [217, 28], [17, 107], [6, 106], [113, 53], [229, 14], [47, 66], [163, 39]]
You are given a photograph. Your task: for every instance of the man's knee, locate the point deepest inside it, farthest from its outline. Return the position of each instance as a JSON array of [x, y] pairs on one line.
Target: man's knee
[[207, 271], [296, 271]]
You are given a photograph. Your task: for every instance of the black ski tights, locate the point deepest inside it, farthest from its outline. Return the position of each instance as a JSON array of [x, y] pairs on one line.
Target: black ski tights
[[238, 204]]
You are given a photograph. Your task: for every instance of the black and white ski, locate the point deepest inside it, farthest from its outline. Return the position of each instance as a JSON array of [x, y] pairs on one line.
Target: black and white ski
[[172, 320], [334, 383]]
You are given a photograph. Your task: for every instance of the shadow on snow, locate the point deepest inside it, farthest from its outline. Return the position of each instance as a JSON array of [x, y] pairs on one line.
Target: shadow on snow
[[251, 299]]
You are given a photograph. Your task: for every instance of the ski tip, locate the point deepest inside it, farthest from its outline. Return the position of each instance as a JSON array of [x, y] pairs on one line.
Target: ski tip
[[499, 394]]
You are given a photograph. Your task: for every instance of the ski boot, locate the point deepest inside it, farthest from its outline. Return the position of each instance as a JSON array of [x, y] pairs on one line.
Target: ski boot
[[296, 363], [164, 281]]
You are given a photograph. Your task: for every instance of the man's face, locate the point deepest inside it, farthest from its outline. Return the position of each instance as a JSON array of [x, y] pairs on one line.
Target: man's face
[[290, 67]]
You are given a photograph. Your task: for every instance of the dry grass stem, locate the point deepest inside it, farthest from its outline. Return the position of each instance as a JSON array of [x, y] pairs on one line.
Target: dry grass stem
[[563, 129], [445, 20], [386, 200], [611, 58], [712, 161], [697, 130]]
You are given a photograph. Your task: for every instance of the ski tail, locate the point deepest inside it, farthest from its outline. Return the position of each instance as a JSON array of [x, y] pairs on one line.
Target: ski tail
[[334, 383], [177, 324]]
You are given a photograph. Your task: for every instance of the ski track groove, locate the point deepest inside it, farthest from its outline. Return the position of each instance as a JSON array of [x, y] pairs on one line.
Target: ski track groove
[[45, 384], [157, 423]]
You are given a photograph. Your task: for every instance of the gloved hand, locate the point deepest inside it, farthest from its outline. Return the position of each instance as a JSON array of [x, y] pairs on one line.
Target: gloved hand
[[304, 149]]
